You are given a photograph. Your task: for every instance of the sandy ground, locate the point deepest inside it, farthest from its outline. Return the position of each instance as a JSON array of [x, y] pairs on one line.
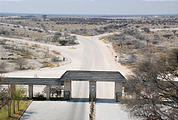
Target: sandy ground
[[162, 29], [90, 54]]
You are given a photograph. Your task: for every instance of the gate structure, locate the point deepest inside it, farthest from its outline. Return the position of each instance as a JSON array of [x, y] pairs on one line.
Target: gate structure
[[92, 77], [66, 81]]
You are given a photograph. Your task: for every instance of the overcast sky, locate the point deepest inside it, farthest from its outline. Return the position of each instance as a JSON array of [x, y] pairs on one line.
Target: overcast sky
[[118, 7]]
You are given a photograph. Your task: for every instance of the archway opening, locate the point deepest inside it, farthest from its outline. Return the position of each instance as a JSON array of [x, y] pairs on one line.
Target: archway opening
[[105, 91]]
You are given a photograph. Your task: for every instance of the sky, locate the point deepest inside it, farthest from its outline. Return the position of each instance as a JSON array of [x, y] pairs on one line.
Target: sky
[[91, 7]]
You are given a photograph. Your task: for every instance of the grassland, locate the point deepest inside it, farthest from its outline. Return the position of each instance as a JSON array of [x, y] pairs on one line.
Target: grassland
[[4, 111]]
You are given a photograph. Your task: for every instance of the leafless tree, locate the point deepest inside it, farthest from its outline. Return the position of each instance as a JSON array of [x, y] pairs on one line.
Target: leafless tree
[[154, 94], [3, 66], [21, 62]]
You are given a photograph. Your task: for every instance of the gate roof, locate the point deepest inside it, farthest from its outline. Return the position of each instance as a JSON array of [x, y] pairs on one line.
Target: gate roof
[[108, 76]]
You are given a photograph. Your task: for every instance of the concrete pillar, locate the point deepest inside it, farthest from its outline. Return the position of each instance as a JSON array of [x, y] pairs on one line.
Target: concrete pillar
[[92, 90], [67, 89], [30, 90], [48, 92], [118, 91]]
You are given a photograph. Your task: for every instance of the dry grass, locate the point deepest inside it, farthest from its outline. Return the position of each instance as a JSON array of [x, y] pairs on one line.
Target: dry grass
[[87, 35], [103, 38], [26, 43], [47, 56], [27, 54], [17, 115], [56, 52], [47, 64], [37, 46], [57, 65]]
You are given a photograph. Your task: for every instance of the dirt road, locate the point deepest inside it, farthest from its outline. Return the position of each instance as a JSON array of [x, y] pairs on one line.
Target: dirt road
[[90, 54]]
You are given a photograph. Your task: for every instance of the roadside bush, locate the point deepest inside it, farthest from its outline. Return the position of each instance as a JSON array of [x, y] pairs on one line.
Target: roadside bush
[[63, 42], [55, 59], [39, 96]]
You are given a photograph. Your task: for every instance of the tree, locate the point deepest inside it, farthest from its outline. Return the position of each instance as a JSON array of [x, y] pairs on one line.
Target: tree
[[154, 94], [56, 37], [5, 96], [13, 90], [21, 62], [63, 42], [147, 30], [174, 31], [44, 17], [3, 66], [18, 95]]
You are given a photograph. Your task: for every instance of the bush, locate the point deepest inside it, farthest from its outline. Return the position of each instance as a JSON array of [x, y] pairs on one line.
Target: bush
[[63, 42], [39, 96], [55, 59]]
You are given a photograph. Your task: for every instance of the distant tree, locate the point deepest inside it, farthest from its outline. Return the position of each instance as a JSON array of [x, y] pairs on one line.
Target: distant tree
[[63, 42], [57, 35], [168, 36], [154, 94], [21, 62], [174, 32], [147, 30], [3, 66], [44, 17]]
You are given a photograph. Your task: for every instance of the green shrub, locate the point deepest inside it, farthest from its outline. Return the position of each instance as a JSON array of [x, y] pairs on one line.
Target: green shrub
[[63, 42]]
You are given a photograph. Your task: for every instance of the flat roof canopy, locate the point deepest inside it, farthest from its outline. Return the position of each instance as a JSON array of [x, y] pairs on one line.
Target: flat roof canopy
[[109, 76], [31, 81]]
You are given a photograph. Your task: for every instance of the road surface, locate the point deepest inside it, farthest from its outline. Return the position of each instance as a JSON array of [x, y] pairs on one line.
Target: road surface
[[90, 54]]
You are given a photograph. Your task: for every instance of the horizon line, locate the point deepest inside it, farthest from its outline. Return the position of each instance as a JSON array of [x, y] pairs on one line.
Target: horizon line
[[102, 15]]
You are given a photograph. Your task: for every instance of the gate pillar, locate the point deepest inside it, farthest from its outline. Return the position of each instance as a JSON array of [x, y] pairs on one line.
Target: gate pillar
[[92, 90], [118, 91], [30, 91], [48, 92], [67, 89]]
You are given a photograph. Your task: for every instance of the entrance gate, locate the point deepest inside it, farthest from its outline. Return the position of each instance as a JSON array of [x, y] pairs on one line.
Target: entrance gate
[[66, 81], [93, 77]]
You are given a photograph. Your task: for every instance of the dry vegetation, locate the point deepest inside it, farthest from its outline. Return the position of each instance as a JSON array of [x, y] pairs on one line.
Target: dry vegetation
[[23, 56], [154, 93], [136, 38], [133, 45]]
